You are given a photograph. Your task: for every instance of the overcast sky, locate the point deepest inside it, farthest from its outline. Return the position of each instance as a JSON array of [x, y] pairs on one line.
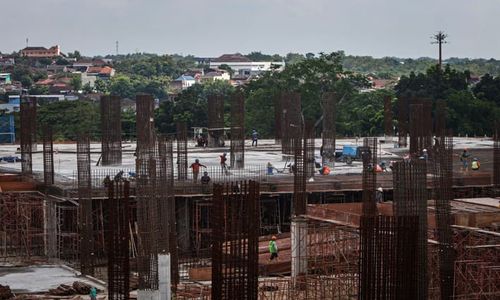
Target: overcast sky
[[212, 27]]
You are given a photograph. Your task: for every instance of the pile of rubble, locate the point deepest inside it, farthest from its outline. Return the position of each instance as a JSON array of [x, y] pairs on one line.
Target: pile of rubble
[[77, 288]]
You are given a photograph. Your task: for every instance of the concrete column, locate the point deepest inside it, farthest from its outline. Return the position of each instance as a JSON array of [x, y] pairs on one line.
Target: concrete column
[[299, 246], [183, 223], [164, 283], [148, 295]]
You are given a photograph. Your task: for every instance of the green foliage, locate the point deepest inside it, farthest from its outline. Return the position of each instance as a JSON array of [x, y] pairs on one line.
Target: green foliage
[[68, 118], [76, 82], [258, 56], [128, 87], [190, 106], [101, 86], [39, 90]]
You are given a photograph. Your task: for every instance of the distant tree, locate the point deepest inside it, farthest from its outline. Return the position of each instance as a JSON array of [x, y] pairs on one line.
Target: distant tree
[[87, 89], [292, 58], [101, 86], [76, 54], [227, 68], [39, 90], [76, 82], [60, 61], [309, 55]]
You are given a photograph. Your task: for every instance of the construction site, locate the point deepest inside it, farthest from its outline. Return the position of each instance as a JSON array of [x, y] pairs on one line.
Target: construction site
[[404, 217]]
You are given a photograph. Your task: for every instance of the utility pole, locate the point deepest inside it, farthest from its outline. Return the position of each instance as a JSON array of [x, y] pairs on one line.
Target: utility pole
[[440, 39]]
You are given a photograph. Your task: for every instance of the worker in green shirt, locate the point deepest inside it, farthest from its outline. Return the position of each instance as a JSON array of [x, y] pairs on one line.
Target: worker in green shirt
[[273, 249], [93, 293]]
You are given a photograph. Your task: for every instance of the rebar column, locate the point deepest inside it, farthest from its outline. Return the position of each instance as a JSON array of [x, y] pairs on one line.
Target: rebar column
[[182, 159], [410, 199], [238, 131], [118, 239], [292, 121], [111, 139], [496, 156], [402, 121], [215, 120], [329, 104], [235, 238], [369, 175], [28, 133], [48, 156], [85, 223], [278, 118], [388, 130], [145, 126], [442, 164], [416, 130]]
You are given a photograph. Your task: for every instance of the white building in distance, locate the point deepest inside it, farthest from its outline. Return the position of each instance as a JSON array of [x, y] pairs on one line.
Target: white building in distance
[[242, 65]]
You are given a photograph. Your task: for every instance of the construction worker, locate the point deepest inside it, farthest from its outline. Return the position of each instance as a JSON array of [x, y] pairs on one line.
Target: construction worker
[[379, 195], [464, 159], [273, 248], [255, 138], [325, 170], [93, 293], [196, 169], [205, 181], [475, 165], [223, 165]]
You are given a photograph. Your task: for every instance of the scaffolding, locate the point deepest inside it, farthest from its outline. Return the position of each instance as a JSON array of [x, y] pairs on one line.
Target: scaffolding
[[329, 105], [238, 131], [235, 239], [111, 128]]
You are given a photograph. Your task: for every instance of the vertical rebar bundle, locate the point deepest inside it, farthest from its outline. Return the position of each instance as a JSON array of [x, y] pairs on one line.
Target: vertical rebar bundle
[[402, 121], [329, 104], [85, 223], [145, 126], [238, 131], [147, 195], [388, 116], [28, 134], [182, 156], [309, 160], [496, 156], [427, 123], [369, 175], [416, 130], [48, 156], [278, 118], [299, 178], [292, 121], [410, 199], [111, 128], [215, 120], [118, 239], [387, 259], [235, 251], [443, 194], [166, 206]]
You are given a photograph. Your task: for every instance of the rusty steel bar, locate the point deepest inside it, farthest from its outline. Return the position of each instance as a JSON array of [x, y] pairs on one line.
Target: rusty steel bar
[[329, 105], [182, 154], [28, 133], [410, 199], [292, 121], [85, 223], [496, 156], [416, 129], [236, 224], [145, 126], [111, 129], [403, 126], [369, 175], [238, 131], [215, 120], [48, 156], [118, 239], [388, 131]]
